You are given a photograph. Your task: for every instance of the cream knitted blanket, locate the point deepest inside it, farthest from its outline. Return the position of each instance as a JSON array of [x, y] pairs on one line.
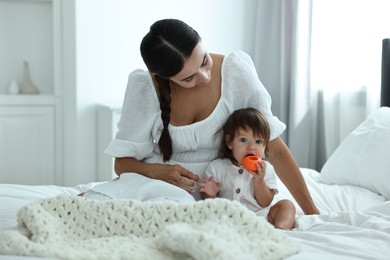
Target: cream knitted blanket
[[66, 227]]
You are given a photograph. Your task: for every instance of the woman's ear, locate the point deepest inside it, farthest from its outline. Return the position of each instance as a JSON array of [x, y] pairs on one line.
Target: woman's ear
[[153, 75], [228, 142]]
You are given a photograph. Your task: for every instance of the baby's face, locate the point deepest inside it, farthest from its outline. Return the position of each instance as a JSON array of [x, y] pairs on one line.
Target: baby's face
[[246, 143]]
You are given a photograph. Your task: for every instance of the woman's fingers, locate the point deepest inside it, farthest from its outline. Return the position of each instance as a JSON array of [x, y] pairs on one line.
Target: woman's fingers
[[186, 182], [189, 175], [179, 176]]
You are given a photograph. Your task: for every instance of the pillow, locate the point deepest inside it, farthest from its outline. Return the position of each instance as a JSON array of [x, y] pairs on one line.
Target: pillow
[[363, 157]]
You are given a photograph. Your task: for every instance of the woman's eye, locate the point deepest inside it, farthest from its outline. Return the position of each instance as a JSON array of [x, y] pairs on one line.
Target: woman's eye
[[204, 62], [189, 79]]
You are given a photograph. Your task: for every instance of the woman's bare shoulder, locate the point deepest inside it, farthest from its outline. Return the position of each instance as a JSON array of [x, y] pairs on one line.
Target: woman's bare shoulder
[[217, 59]]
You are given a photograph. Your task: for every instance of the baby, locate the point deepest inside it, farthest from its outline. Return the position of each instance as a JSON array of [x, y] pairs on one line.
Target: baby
[[246, 132]]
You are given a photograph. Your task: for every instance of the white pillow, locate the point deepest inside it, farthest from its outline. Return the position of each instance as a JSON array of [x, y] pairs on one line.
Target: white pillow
[[363, 158]]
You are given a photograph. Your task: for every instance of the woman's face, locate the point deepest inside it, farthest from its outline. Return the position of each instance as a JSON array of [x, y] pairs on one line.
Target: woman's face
[[246, 143], [196, 70]]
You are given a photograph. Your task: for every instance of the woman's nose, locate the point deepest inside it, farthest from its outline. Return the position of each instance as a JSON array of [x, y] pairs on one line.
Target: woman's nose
[[204, 75]]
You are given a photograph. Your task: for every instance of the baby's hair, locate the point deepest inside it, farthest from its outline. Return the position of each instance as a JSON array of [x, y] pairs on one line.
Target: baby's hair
[[246, 118], [164, 49]]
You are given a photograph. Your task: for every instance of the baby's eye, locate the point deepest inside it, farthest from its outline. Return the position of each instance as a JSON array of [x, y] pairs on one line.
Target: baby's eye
[[243, 140], [258, 142]]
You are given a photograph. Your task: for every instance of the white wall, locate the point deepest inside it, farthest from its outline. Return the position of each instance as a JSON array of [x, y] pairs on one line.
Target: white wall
[[102, 40]]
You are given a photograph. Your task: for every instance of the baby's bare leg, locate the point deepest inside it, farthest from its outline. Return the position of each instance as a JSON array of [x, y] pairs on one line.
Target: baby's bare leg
[[282, 214]]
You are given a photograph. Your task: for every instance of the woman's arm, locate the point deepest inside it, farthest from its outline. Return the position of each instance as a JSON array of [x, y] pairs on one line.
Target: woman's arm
[[173, 174], [288, 171]]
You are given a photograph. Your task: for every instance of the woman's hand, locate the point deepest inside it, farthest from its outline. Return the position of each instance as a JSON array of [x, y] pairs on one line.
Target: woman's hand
[[173, 174], [176, 175]]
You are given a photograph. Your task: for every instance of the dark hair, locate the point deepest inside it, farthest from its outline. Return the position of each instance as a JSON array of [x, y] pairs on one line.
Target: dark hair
[[164, 50], [242, 118]]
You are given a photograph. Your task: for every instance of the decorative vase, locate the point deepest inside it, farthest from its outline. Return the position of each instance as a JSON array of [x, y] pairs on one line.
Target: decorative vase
[[13, 88], [27, 86]]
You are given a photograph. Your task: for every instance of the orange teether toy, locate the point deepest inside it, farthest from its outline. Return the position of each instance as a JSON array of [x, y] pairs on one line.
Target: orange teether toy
[[249, 162]]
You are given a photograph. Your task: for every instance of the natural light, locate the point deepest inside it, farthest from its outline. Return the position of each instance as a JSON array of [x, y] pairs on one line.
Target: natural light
[[347, 44]]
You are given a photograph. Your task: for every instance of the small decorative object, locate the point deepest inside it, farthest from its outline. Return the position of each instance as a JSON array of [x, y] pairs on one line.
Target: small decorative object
[[13, 88], [27, 86]]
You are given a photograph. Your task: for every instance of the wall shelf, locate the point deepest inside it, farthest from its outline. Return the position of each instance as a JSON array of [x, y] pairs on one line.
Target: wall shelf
[[29, 31], [31, 124]]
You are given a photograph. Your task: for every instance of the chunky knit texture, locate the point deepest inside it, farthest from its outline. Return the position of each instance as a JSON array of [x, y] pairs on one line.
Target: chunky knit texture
[[66, 227]]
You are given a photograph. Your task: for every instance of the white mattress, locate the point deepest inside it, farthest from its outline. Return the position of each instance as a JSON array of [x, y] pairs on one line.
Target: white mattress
[[354, 222]]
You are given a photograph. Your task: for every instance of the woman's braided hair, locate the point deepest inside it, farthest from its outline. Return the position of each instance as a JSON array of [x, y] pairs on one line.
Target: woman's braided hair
[[164, 50]]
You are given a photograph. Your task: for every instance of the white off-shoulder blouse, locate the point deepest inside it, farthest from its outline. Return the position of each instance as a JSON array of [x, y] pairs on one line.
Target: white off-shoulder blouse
[[140, 125]]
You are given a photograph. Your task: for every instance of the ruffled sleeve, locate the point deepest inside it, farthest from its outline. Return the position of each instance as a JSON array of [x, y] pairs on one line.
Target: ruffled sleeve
[[140, 112], [245, 89]]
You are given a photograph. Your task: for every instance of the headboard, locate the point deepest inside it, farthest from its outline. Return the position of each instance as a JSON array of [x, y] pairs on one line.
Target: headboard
[[385, 89]]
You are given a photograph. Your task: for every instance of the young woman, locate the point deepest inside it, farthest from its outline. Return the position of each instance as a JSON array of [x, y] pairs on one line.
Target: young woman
[[171, 112], [246, 133]]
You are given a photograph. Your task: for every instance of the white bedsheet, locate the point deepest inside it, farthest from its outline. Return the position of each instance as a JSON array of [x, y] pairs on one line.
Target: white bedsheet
[[354, 222], [14, 196]]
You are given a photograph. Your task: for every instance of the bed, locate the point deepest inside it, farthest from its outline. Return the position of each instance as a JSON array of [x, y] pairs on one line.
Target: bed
[[352, 192]]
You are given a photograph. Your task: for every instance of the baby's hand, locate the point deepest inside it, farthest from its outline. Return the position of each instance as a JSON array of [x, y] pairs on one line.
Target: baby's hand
[[209, 187], [261, 169]]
